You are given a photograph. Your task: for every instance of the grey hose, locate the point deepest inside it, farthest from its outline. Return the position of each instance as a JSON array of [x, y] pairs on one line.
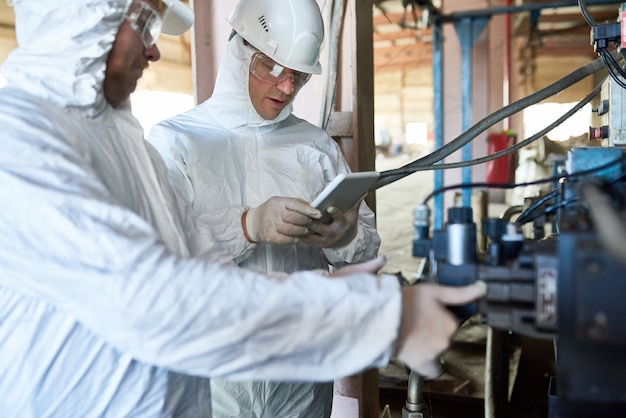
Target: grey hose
[[467, 136], [583, 9], [520, 144]]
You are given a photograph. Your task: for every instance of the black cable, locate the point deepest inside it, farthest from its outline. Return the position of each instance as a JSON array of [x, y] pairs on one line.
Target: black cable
[[483, 184], [612, 73], [388, 177], [512, 148], [522, 218], [554, 193], [609, 62], [585, 12], [610, 68], [430, 161], [615, 63], [530, 183], [548, 210], [406, 5]]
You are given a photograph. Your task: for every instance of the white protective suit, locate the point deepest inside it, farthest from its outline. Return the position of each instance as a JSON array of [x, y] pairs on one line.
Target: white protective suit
[[223, 157], [102, 314]]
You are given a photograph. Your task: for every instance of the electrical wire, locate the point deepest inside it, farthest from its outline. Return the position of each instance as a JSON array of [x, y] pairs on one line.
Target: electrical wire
[[596, 90], [611, 68], [526, 213], [583, 9], [530, 183], [390, 176], [548, 210], [609, 62], [614, 62], [482, 185], [430, 161], [526, 217], [413, 12]]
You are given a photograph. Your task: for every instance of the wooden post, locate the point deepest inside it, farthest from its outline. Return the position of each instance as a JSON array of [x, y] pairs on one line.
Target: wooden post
[[208, 42], [352, 126], [355, 91]]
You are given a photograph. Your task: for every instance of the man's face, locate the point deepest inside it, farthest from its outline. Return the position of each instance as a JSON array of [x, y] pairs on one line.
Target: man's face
[[127, 60], [270, 99], [271, 86]]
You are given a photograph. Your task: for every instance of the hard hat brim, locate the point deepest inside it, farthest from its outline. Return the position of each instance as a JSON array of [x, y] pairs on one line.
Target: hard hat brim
[[177, 18]]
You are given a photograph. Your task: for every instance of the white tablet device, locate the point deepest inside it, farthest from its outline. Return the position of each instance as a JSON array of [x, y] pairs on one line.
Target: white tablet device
[[343, 191]]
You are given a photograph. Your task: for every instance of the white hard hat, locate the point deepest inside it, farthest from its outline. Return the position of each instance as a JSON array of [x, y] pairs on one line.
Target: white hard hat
[[177, 17], [288, 31]]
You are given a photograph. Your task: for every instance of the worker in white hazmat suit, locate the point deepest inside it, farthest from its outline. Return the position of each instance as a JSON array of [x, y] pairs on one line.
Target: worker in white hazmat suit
[[232, 155], [102, 312]]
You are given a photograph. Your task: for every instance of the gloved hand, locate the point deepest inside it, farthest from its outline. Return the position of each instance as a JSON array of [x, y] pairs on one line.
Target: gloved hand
[[339, 233], [280, 220], [427, 325]]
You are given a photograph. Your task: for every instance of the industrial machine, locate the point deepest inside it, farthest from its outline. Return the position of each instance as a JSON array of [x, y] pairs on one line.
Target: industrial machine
[[568, 286]]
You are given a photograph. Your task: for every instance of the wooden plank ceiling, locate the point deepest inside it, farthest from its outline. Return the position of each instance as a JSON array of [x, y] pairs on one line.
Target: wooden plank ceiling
[[402, 40]]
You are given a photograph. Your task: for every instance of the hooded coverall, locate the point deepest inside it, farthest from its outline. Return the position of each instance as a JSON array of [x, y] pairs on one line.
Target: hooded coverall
[[102, 312], [223, 157]]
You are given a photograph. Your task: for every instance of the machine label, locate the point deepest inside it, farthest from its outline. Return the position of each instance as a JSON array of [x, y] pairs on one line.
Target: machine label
[[546, 296]]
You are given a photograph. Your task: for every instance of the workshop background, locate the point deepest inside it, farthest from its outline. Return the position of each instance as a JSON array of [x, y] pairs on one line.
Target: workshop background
[[383, 80]]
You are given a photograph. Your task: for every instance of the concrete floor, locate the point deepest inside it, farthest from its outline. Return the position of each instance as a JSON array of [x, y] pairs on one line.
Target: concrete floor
[[394, 214]]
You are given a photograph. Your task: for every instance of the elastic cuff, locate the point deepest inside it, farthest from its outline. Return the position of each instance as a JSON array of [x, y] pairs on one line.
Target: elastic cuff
[[245, 228]]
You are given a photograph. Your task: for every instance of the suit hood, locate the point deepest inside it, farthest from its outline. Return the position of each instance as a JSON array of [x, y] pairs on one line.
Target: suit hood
[[62, 50], [230, 103]]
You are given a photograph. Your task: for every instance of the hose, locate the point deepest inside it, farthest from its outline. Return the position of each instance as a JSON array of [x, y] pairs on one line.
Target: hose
[[390, 176]]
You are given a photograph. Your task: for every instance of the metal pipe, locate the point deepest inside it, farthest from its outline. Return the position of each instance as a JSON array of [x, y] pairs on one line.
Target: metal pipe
[[438, 114], [467, 43], [511, 211], [414, 406], [337, 12]]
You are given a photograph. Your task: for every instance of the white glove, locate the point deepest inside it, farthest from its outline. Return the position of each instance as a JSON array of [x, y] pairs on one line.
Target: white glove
[[339, 233], [280, 220]]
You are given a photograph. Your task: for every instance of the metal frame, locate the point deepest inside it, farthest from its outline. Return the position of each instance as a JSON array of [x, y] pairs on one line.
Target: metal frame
[[469, 25]]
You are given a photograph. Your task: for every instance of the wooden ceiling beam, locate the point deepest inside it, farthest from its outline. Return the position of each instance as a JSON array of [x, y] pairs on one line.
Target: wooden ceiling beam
[[416, 49], [522, 23], [400, 62], [392, 66], [563, 49], [403, 34]]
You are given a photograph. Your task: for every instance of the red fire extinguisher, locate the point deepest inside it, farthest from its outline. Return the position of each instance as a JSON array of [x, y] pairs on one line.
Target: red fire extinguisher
[[500, 170]]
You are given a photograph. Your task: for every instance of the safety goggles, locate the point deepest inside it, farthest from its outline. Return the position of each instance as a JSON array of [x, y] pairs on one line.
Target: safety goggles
[[145, 22], [266, 69]]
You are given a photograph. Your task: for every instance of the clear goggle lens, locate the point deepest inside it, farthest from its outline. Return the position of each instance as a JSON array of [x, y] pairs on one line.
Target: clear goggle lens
[[268, 70], [145, 22]]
